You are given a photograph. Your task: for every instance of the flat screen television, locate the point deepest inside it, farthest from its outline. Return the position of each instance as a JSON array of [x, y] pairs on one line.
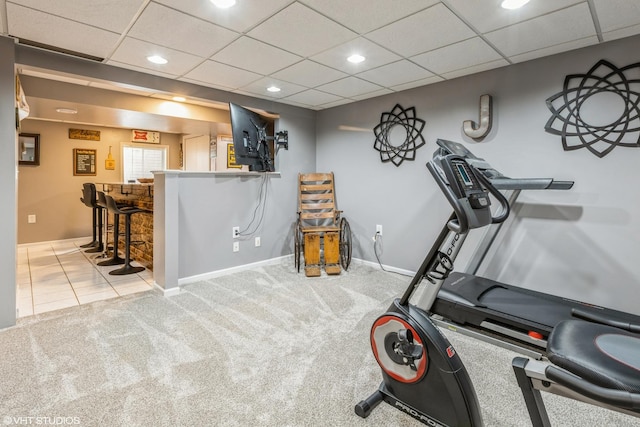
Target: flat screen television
[[250, 140]]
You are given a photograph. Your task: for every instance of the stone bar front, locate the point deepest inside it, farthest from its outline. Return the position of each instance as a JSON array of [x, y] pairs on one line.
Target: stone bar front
[[140, 196]]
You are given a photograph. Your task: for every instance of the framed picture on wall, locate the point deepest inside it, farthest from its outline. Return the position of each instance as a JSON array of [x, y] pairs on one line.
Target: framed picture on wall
[[29, 149], [84, 162]]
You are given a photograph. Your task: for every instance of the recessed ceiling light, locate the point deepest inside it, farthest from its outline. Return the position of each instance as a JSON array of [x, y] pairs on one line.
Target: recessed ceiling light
[[157, 59], [179, 98], [223, 4], [273, 89], [355, 58], [67, 110], [514, 4]]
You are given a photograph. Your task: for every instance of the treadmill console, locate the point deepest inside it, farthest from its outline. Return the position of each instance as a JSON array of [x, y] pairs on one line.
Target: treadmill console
[[464, 183], [498, 180], [467, 190]]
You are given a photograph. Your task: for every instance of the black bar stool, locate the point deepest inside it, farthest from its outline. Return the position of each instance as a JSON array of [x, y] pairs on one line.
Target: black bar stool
[[115, 259], [89, 199], [127, 268], [86, 199]]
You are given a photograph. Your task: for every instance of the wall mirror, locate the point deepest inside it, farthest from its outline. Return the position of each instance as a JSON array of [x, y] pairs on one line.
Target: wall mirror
[[29, 149]]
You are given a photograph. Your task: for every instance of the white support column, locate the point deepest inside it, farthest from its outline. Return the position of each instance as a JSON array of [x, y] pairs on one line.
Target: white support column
[[166, 232]]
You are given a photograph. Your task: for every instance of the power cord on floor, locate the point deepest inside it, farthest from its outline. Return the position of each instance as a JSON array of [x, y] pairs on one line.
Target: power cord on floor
[[378, 238]]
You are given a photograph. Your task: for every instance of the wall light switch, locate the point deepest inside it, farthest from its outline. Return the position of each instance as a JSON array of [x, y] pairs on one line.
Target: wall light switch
[[31, 219]]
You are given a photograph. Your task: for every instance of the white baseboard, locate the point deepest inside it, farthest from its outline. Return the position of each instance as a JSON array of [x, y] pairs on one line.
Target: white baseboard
[[167, 292], [47, 242], [384, 267], [224, 272]]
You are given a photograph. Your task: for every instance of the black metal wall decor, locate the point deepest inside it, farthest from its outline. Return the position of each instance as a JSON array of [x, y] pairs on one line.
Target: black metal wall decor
[[393, 152], [576, 132]]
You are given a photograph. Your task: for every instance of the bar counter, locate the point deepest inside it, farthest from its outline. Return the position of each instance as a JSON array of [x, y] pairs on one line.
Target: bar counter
[[139, 195]]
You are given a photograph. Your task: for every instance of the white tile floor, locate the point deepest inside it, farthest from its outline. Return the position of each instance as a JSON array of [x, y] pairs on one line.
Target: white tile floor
[[55, 275]]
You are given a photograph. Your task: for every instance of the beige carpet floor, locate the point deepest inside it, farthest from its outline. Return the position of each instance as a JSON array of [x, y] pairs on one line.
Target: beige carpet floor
[[263, 347]]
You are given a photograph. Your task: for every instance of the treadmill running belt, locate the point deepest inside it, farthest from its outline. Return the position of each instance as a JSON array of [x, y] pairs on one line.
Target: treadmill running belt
[[536, 309]]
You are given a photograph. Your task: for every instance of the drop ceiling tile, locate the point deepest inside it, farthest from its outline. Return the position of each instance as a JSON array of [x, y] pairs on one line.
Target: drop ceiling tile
[[308, 73], [475, 69], [241, 17], [395, 73], [212, 72], [302, 31], [313, 97], [617, 14], [211, 85], [251, 54], [297, 104], [464, 54], [621, 33], [488, 15], [126, 66], [363, 16], [343, 101], [259, 88], [375, 55], [349, 87], [112, 15], [373, 94], [166, 27], [134, 53], [38, 26], [417, 83], [575, 44], [566, 25], [423, 31]]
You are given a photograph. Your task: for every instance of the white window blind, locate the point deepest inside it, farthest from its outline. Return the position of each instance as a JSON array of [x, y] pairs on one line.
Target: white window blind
[[138, 162]]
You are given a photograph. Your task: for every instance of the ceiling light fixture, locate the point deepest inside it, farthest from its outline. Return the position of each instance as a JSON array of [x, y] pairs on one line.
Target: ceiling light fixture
[[355, 58], [179, 98], [157, 59], [223, 4], [514, 4], [273, 89], [67, 110]]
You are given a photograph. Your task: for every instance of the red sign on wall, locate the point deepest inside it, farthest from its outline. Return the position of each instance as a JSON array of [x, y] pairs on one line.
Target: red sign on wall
[[145, 136]]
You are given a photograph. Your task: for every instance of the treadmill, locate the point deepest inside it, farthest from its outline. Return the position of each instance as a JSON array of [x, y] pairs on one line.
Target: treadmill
[[507, 312]]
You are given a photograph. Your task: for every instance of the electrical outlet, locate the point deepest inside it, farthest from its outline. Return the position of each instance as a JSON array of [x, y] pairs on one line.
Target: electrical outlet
[[257, 241], [31, 219], [236, 246], [236, 232], [379, 229]]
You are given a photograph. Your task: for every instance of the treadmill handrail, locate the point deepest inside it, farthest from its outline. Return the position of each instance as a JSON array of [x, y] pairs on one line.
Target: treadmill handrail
[[505, 208], [504, 183], [458, 224]]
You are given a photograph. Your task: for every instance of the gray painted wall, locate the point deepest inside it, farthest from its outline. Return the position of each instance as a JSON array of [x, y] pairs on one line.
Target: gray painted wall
[[581, 243], [226, 201], [8, 184], [207, 208], [569, 243]]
